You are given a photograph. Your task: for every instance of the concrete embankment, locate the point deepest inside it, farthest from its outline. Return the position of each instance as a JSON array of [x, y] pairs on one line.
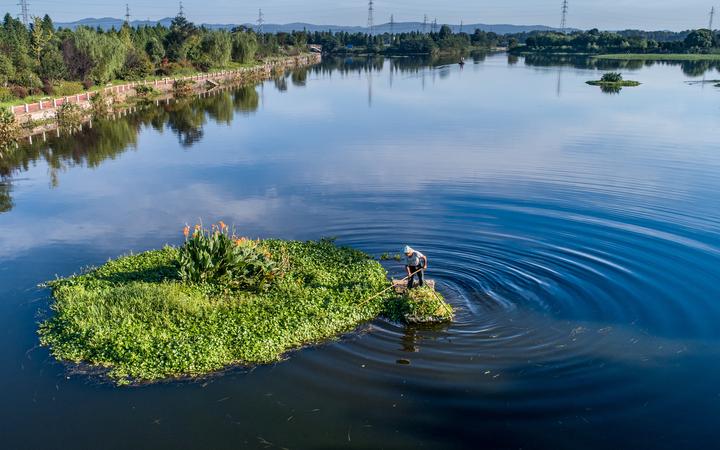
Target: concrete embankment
[[46, 109]]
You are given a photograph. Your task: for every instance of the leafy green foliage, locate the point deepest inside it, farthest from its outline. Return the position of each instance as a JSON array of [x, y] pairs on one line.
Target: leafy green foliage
[[9, 129], [217, 257], [611, 77], [69, 116], [36, 58], [135, 316], [419, 305]]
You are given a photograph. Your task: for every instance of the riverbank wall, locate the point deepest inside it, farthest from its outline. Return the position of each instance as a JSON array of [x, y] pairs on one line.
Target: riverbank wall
[[46, 109]]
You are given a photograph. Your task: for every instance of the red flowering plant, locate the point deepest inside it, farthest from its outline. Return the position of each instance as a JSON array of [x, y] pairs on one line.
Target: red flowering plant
[[217, 256]]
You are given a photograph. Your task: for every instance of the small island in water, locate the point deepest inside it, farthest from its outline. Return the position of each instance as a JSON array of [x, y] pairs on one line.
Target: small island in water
[[613, 82], [221, 300]]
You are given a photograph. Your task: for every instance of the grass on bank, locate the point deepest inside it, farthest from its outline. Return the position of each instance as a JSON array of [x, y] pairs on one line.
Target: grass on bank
[[661, 56], [140, 319]]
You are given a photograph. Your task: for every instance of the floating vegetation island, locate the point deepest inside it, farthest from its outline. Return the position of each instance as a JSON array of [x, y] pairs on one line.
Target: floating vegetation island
[[613, 82], [216, 301]]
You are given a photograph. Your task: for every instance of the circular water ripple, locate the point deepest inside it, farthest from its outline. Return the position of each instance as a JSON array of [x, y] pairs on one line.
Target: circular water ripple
[[551, 305]]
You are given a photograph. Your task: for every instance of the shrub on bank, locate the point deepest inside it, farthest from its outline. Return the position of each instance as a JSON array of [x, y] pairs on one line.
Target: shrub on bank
[[9, 128], [69, 116]]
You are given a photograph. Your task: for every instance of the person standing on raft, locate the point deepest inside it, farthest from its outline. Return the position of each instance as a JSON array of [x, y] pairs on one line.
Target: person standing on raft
[[415, 264]]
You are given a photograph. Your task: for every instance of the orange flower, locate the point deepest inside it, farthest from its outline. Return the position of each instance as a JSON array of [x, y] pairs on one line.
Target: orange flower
[[186, 231], [197, 227], [222, 225]]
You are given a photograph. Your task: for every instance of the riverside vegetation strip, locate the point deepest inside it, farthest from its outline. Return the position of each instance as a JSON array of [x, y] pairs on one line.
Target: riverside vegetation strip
[[141, 318]]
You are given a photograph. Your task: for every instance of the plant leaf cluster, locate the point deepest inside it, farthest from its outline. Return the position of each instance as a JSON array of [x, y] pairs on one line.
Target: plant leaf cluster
[[139, 320]]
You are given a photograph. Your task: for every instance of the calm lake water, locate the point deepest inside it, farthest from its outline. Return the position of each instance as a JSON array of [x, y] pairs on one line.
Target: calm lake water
[[576, 233]]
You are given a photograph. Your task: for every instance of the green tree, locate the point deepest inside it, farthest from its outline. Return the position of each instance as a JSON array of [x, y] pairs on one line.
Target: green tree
[[40, 38], [155, 50], [699, 39], [215, 50], [52, 65], [95, 56], [7, 70], [175, 43], [244, 46]]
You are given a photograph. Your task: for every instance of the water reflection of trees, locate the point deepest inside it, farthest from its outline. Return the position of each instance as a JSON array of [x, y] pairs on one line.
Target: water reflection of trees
[[6, 202], [105, 139], [690, 68]]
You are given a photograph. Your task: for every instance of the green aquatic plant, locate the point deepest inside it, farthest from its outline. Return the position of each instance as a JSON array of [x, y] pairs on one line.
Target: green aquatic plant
[[387, 257], [419, 305], [612, 77], [139, 320], [219, 257], [613, 82]]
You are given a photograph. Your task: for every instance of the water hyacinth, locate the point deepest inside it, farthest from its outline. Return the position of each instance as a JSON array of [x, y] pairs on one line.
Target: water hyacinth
[[140, 320]]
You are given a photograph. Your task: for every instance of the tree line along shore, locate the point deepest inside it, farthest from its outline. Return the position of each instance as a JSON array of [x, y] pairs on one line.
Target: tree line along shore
[[42, 60]]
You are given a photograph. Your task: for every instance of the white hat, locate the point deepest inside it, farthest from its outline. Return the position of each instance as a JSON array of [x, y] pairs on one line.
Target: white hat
[[408, 249]]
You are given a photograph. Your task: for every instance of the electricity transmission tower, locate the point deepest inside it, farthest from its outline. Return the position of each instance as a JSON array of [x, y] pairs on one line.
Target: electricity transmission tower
[[712, 18], [563, 22], [392, 24], [461, 25], [434, 25], [127, 13], [24, 12], [261, 21], [371, 18], [182, 11], [425, 24]]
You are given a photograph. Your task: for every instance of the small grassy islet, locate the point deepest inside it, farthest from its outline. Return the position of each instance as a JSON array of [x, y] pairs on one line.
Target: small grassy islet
[[137, 319]]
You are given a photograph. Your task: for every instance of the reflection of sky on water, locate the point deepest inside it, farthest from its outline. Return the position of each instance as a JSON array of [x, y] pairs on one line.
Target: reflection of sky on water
[[575, 233], [479, 125]]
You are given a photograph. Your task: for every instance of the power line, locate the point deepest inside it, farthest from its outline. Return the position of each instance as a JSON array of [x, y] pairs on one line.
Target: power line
[[371, 18], [24, 12], [563, 22], [712, 17], [261, 21]]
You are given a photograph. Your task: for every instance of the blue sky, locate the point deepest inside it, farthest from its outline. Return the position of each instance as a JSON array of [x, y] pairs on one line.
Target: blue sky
[[608, 14]]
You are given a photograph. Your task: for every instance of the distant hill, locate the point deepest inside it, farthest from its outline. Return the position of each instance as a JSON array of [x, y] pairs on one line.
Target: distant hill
[[400, 27]]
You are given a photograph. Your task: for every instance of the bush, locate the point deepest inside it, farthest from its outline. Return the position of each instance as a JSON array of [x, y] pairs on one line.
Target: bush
[[66, 88], [183, 88], [9, 129], [217, 256], [48, 88], [28, 79], [101, 104], [88, 84], [145, 91], [69, 116], [612, 77], [19, 92], [6, 95]]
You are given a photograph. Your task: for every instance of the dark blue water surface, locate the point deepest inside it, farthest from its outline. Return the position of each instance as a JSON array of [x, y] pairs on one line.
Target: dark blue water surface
[[576, 233]]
